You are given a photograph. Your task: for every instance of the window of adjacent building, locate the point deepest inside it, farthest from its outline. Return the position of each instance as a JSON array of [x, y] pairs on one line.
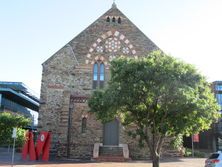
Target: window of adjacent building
[[84, 121], [0, 100], [98, 75], [219, 99], [219, 87]]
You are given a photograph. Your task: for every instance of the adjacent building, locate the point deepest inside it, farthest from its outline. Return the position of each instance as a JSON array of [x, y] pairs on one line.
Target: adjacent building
[[210, 140], [16, 97], [217, 88]]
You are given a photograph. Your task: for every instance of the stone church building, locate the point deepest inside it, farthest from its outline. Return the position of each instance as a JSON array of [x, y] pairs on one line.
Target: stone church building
[[71, 75]]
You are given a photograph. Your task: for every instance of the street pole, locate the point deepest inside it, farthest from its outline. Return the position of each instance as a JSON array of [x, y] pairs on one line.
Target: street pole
[[13, 151], [33, 119], [192, 146]]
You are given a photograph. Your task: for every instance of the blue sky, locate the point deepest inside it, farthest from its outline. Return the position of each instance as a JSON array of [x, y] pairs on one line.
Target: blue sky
[[33, 30]]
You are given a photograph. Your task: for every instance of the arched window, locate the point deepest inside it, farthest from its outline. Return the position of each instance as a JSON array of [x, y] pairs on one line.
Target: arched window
[[108, 19], [84, 121], [119, 20], [95, 72], [113, 19], [102, 72], [95, 75], [98, 75], [101, 75]]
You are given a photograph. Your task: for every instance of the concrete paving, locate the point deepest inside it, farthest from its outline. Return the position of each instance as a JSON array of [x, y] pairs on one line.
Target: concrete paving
[[5, 161]]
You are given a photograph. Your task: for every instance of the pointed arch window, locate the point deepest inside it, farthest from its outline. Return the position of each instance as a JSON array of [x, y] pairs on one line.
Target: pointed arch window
[[113, 19], [98, 75], [84, 121], [119, 20], [101, 75], [102, 72], [108, 19], [95, 72]]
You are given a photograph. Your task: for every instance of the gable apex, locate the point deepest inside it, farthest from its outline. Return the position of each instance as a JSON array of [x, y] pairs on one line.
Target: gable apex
[[114, 5], [112, 20]]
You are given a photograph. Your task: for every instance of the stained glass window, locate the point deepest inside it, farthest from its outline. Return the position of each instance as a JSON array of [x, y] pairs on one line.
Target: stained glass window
[[102, 72], [98, 75], [95, 72]]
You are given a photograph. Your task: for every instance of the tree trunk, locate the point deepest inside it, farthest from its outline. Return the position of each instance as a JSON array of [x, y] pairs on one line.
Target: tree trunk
[[156, 160], [154, 142]]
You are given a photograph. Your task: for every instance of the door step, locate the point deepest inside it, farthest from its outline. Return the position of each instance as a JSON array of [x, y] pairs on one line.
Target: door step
[[110, 151], [110, 159], [111, 154]]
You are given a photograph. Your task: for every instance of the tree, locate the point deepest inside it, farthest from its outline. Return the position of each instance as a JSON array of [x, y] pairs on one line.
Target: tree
[[160, 95], [7, 122]]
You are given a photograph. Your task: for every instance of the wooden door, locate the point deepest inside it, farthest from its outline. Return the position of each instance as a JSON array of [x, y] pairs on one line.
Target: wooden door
[[111, 133]]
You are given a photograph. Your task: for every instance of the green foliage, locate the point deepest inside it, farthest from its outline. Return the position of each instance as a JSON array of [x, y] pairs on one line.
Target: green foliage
[[158, 91], [7, 122], [197, 154], [188, 152], [160, 95], [177, 141]]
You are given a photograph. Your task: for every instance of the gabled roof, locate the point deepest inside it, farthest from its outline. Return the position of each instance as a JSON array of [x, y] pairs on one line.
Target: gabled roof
[[100, 26]]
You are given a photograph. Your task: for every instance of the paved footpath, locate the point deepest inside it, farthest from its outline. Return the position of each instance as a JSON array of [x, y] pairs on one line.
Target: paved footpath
[[184, 162], [176, 163], [5, 161]]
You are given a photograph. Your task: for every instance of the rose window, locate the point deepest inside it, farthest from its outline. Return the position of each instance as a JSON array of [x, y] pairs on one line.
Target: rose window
[[112, 44]]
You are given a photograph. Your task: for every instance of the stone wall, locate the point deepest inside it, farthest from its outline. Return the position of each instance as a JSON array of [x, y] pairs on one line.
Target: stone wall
[[83, 141]]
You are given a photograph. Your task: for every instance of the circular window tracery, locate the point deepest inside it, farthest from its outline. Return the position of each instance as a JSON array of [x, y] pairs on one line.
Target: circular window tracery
[[112, 44], [111, 57], [99, 49], [126, 50]]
